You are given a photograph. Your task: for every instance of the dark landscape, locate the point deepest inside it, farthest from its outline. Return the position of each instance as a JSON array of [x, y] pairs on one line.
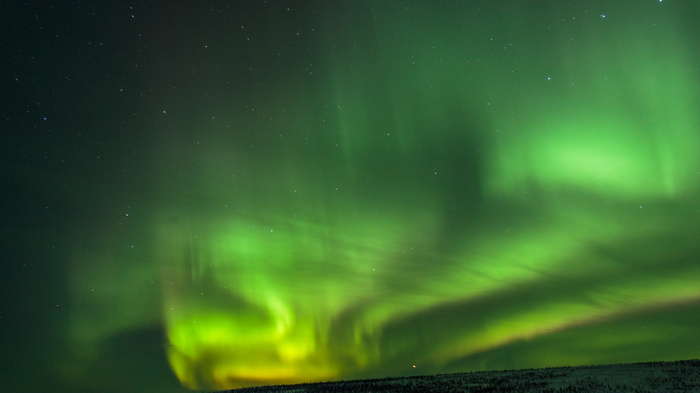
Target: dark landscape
[[677, 376]]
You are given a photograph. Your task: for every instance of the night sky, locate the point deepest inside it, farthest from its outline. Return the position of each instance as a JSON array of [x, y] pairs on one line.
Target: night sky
[[216, 195]]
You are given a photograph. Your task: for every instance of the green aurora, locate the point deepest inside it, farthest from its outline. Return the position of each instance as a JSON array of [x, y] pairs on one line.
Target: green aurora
[[407, 188]]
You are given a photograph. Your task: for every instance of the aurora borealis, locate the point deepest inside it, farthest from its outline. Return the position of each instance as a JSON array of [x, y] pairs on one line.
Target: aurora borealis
[[226, 195]]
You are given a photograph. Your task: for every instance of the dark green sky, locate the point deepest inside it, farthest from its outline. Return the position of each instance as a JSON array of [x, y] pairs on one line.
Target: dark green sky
[[221, 195]]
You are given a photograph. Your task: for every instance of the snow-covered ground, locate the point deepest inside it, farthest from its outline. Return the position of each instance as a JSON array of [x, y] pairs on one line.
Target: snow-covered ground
[[678, 376]]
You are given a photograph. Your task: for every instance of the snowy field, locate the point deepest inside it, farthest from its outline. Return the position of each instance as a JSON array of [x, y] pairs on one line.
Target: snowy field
[[678, 376]]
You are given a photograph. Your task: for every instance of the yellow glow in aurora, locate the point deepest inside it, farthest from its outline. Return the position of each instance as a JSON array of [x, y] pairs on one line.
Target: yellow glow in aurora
[[271, 315]]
